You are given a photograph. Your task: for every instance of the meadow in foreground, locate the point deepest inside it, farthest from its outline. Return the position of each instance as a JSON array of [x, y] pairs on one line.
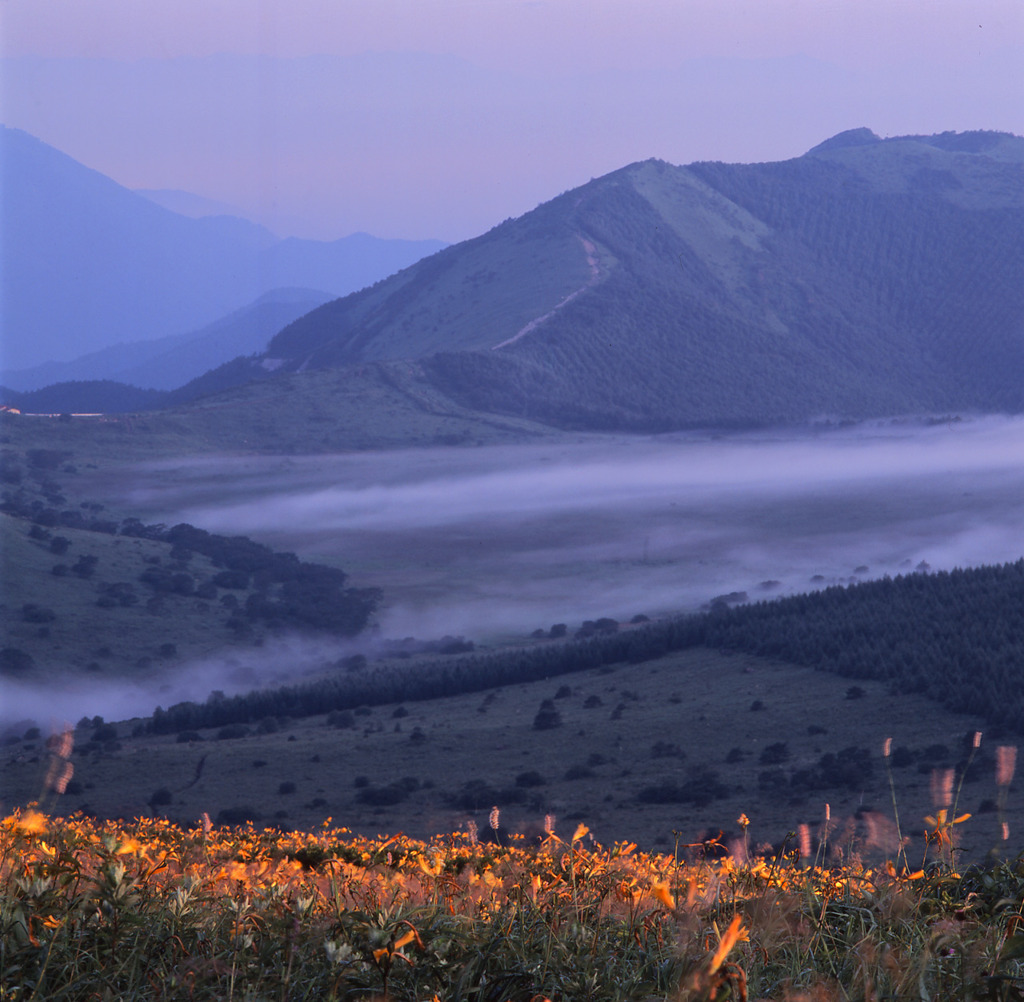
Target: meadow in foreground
[[149, 910]]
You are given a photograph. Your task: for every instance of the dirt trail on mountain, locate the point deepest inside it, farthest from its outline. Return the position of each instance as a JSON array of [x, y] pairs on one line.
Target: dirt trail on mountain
[[595, 275]]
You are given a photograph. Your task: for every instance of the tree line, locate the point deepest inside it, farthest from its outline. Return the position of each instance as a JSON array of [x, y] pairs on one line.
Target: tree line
[[956, 637]]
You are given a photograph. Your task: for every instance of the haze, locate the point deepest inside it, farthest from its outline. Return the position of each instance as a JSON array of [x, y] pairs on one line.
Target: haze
[[486, 541], [440, 118]]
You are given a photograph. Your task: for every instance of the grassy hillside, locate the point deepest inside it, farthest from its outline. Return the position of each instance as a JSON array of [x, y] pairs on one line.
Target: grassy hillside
[[376, 406], [682, 744], [722, 294]]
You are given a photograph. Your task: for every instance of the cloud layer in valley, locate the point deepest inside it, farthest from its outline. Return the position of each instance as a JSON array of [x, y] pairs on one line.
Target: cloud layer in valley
[[505, 539]]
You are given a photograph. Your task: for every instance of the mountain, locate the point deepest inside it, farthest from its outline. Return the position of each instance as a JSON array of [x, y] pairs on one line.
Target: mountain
[[868, 277], [185, 203], [169, 362], [87, 264]]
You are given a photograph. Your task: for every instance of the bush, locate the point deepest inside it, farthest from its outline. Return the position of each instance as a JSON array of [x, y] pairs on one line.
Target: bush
[[14, 661], [531, 778], [232, 731], [382, 796], [85, 566], [237, 815], [702, 786], [342, 719], [59, 545], [774, 754], [476, 795], [286, 788], [547, 717], [161, 797], [231, 579], [667, 749], [32, 613]]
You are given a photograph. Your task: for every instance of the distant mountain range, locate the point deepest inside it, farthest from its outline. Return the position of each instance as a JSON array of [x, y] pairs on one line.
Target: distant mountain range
[[87, 264], [169, 362], [868, 277]]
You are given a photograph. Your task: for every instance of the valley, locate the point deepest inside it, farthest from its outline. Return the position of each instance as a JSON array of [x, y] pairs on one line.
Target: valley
[[493, 543]]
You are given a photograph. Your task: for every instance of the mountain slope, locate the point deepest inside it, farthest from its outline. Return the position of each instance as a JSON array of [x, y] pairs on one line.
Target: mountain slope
[[168, 362], [86, 263], [866, 277]]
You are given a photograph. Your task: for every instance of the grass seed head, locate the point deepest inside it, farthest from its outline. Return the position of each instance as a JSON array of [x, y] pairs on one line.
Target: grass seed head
[[1006, 764]]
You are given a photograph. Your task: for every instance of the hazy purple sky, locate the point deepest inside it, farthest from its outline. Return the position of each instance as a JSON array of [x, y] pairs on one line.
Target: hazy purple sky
[[439, 118]]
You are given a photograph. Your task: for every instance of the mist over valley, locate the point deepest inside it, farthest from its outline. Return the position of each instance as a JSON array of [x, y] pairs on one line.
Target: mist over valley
[[501, 540]]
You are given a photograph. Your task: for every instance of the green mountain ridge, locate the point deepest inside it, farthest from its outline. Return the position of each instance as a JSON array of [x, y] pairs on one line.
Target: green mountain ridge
[[868, 277]]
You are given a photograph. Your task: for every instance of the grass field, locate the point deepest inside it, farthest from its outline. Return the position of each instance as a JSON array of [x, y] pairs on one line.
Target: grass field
[[451, 760]]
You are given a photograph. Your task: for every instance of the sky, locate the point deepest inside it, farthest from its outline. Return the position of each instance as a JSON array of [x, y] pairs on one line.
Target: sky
[[440, 118]]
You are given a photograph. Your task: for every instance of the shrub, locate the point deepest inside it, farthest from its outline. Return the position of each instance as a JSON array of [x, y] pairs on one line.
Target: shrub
[[531, 778], [231, 579], [59, 545], [287, 787], [547, 717], [772, 779], [667, 749], [576, 772], [161, 797], [232, 731], [14, 661], [702, 786], [774, 754], [382, 796], [476, 795], [32, 613], [342, 719], [237, 815], [901, 757], [85, 566]]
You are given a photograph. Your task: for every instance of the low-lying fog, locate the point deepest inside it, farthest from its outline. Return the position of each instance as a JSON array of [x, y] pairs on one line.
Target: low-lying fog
[[484, 541]]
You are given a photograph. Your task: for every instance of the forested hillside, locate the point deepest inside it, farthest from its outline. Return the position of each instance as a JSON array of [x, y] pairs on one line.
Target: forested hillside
[[722, 294], [956, 637]]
